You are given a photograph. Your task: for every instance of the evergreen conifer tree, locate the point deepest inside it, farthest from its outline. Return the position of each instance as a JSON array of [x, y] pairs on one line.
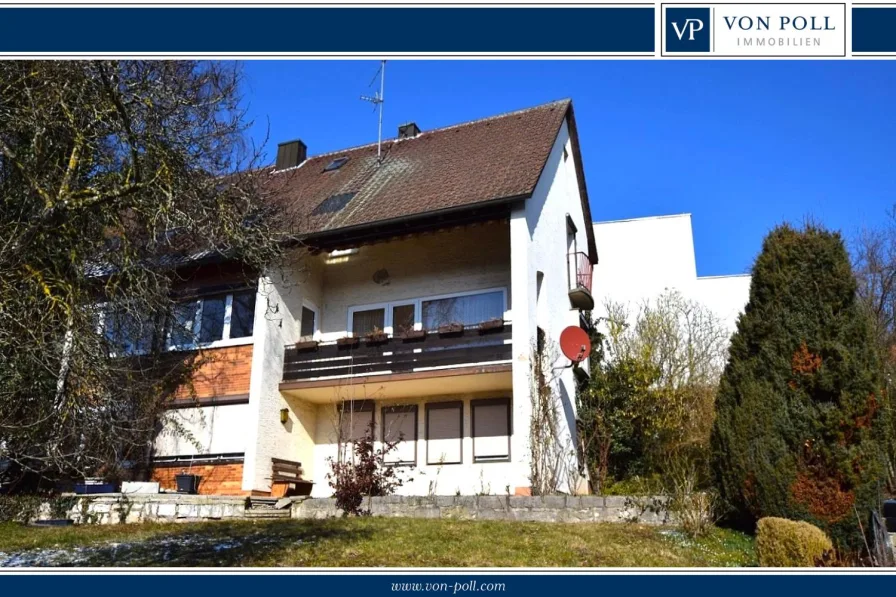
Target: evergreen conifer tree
[[798, 432]]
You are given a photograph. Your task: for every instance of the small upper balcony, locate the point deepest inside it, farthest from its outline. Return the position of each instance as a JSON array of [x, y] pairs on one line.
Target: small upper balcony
[[580, 269]]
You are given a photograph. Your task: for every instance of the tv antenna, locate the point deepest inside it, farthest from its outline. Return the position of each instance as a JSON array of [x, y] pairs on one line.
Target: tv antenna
[[377, 101]]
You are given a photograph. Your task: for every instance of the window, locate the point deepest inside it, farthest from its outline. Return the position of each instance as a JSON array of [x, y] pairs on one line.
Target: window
[[364, 322], [211, 327], [308, 323], [491, 429], [444, 432], [427, 313], [184, 323], [242, 318], [332, 204], [390, 318], [126, 332], [355, 423], [400, 427], [336, 164], [466, 309], [403, 317], [212, 319]]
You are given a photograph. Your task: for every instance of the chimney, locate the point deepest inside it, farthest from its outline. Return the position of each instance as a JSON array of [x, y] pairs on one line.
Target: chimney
[[406, 131], [290, 154]]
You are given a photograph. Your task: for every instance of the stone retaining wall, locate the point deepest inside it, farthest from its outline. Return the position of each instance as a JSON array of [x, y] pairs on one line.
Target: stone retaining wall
[[553, 508], [168, 507], [116, 508]]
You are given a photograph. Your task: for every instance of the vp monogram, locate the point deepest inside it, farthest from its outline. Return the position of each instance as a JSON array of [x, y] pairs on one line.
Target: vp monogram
[[691, 26], [688, 29]]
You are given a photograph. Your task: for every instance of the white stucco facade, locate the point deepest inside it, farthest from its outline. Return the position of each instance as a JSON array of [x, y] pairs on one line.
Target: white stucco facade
[[540, 241], [643, 257]]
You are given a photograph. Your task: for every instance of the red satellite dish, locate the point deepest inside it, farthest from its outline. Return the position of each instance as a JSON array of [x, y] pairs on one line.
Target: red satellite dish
[[575, 344]]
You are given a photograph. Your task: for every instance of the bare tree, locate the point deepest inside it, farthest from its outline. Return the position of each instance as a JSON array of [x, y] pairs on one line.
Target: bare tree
[[115, 178], [874, 255], [651, 393]]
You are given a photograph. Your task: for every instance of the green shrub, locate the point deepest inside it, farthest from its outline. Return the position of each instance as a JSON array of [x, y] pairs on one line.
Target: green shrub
[[787, 543], [19, 508], [800, 427], [636, 485]]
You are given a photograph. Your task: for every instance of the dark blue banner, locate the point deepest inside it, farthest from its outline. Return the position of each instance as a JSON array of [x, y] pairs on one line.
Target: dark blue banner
[[874, 29], [460, 584], [331, 30]]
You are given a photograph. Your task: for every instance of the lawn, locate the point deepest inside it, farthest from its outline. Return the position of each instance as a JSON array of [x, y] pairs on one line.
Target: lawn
[[369, 542]]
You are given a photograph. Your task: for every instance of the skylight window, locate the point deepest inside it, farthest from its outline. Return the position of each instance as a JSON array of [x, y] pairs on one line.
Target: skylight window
[[333, 204], [335, 164]]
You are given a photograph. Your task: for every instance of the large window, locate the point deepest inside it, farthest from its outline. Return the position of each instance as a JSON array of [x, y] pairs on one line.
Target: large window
[[212, 319], [204, 321], [444, 432], [468, 309], [400, 428], [427, 313], [491, 429]]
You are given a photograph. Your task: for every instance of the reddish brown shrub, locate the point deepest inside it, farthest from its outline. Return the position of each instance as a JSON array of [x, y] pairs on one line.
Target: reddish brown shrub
[[805, 362], [823, 496]]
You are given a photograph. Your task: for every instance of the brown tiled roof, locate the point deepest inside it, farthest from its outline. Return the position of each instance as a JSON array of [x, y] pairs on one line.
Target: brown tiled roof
[[466, 165]]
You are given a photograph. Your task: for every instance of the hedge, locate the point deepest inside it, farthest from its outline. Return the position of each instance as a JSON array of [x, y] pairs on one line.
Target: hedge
[[790, 544]]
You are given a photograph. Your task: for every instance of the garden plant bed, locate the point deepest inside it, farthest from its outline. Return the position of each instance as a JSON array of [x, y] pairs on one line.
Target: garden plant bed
[[369, 542]]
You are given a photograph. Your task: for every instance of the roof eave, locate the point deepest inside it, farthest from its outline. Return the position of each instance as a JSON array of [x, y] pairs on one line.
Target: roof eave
[[583, 188]]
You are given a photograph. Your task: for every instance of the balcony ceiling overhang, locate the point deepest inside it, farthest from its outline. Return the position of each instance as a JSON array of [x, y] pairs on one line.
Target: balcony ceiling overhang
[[417, 384], [499, 209]]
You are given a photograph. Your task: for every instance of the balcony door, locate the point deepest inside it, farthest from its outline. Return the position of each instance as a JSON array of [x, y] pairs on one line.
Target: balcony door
[[392, 318]]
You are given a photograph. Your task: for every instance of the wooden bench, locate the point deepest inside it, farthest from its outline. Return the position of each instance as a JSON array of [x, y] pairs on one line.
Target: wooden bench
[[288, 475]]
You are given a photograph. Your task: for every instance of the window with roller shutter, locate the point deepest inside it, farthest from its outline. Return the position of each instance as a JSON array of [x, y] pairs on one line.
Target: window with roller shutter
[[400, 427], [356, 422], [444, 432], [491, 429]]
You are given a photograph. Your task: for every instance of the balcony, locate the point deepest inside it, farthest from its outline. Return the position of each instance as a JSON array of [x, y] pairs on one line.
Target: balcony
[[580, 269], [465, 359]]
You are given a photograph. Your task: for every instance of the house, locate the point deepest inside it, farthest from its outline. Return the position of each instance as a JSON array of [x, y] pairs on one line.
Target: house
[[632, 270], [427, 283]]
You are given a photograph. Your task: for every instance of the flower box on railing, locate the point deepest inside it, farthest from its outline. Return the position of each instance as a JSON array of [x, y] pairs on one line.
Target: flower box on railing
[[492, 325], [412, 335], [348, 342], [451, 329], [376, 338], [306, 345]]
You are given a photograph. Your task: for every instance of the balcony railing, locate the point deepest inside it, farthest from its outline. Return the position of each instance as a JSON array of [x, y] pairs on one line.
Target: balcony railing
[[580, 269], [414, 352], [583, 269]]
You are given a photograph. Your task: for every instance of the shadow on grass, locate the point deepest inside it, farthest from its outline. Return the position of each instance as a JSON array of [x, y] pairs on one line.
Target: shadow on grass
[[211, 544]]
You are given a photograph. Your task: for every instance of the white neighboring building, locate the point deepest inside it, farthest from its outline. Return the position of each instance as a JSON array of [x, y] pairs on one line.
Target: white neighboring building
[[642, 257]]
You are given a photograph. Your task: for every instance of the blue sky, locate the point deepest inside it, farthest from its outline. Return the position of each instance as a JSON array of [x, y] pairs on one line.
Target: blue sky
[[740, 145]]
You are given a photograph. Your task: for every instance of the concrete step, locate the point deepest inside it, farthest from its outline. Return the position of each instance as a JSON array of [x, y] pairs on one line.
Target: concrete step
[[267, 513], [257, 503]]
